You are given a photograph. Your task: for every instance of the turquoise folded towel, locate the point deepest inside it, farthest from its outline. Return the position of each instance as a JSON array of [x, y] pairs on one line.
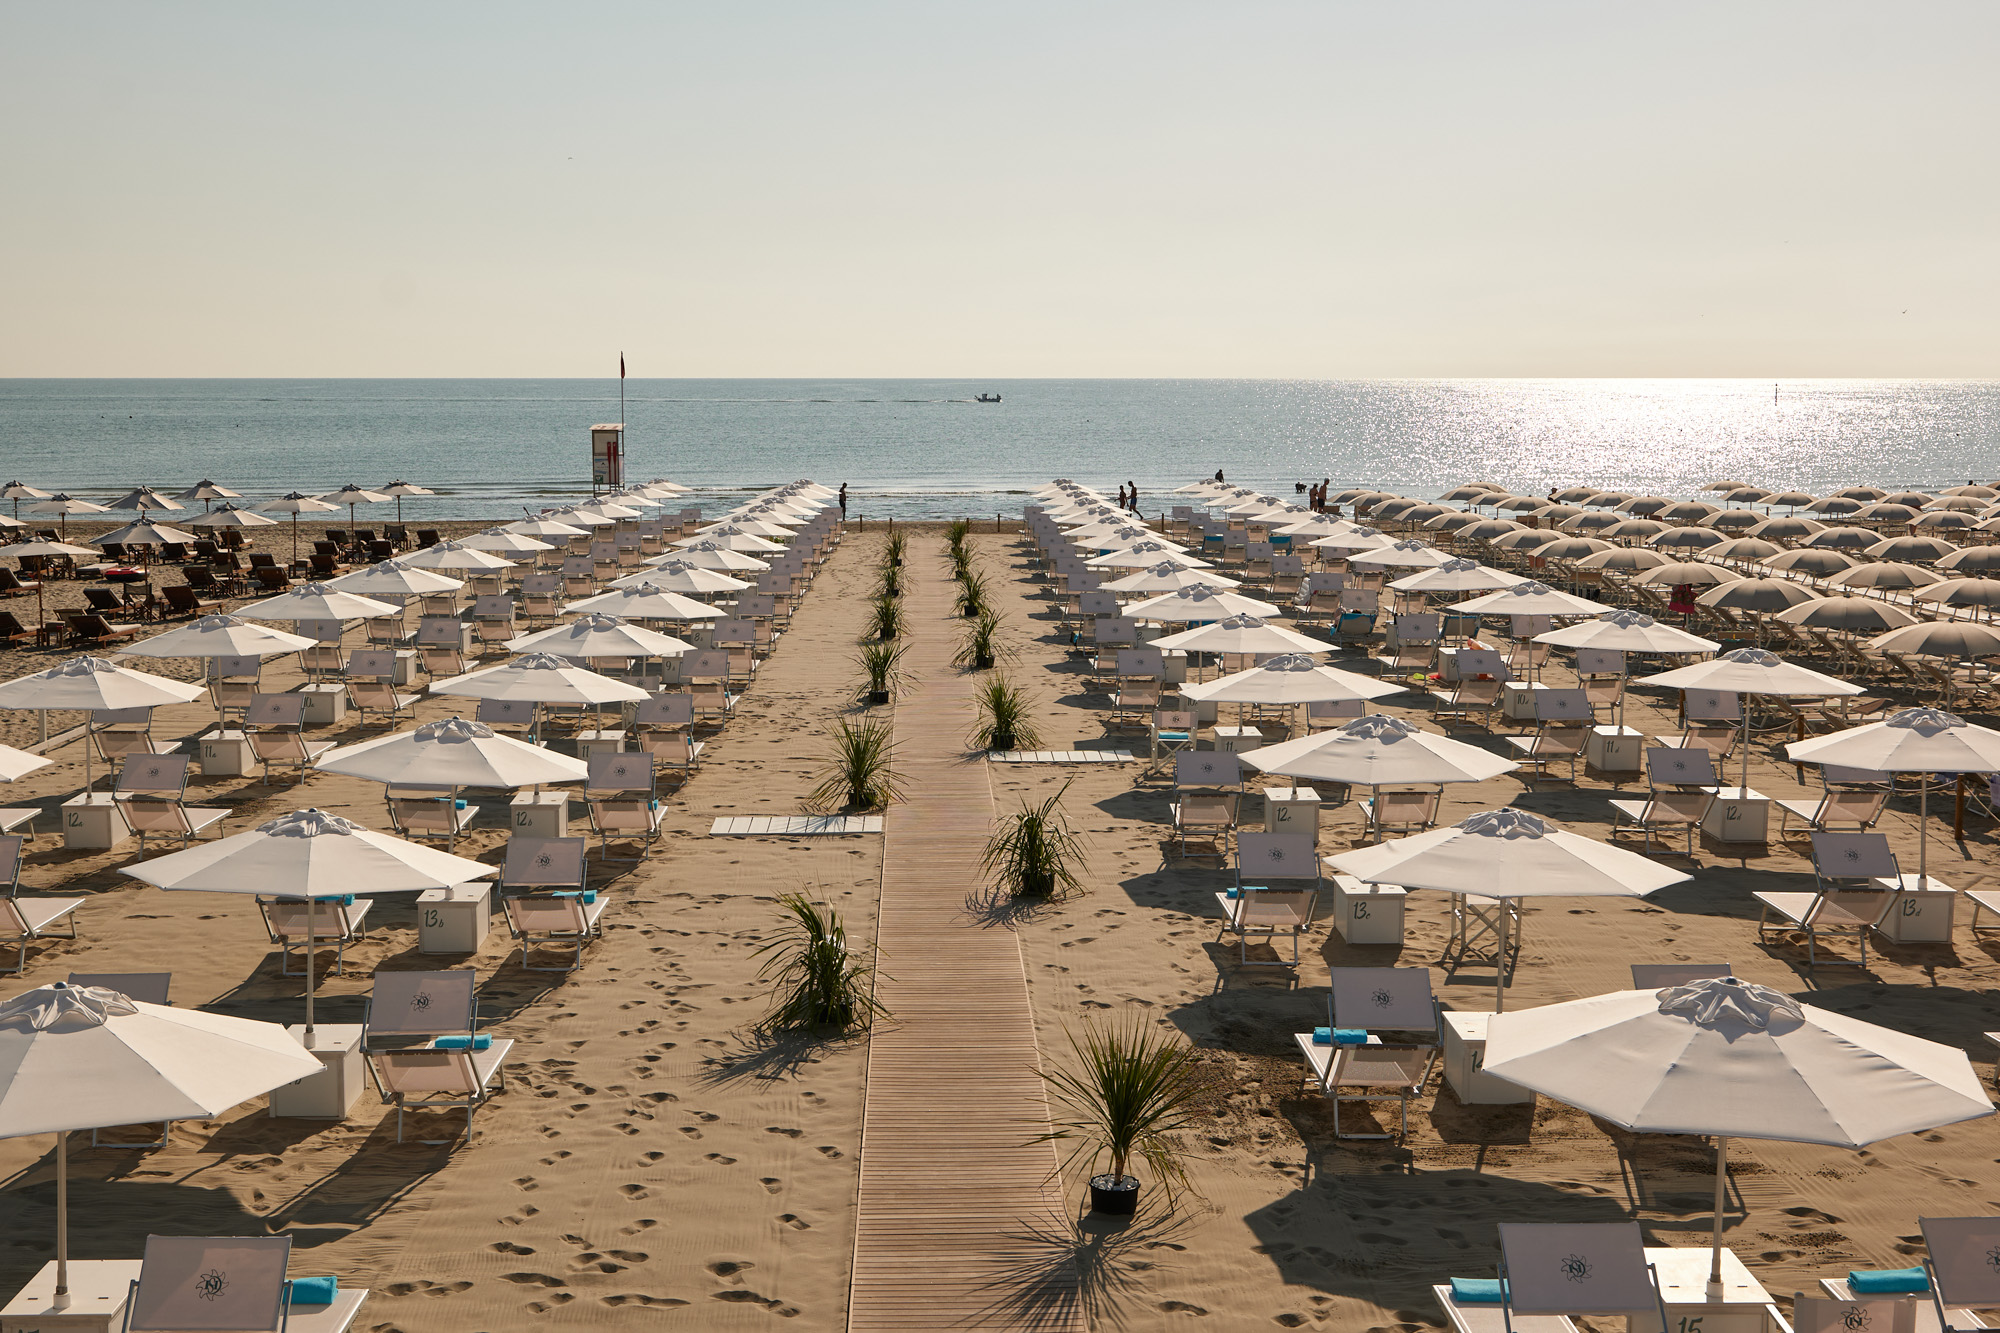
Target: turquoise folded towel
[[479, 1043], [458, 805], [588, 895], [1888, 1281], [314, 1290], [1322, 1036], [347, 900], [1351, 1036], [1235, 893], [1478, 1290]]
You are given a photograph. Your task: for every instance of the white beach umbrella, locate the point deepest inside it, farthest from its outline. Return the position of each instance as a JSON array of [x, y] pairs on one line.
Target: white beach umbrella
[[17, 764], [646, 603], [680, 576], [87, 683], [1200, 604], [599, 635], [1731, 1059], [296, 503], [1508, 854], [499, 539], [452, 752], [218, 636], [579, 518], [711, 555], [1459, 575], [232, 516], [87, 1058], [307, 854], [319, 601], [1352, 542], [1915, 740], [454, 555], [397, 577], [18, 491], [606, 510], [208, 492], [353, 494], [1291, 679], [545, 527], [1320, 525], [142, 533], [1530, 598], [1376, 751], [400, 488], [1144, 555], [1400, 555], [1751, 671], [1627, 632], [730, 538], [22, 550], [749, 524], [540, 678], [65, 505], [1242, 634], [1164, 577]]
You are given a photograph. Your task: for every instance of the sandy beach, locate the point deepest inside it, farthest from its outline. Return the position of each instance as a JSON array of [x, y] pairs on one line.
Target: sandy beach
[[653, 1151]]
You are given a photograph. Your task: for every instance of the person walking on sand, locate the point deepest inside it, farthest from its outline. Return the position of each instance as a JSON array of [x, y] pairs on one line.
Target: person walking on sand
[[843, 499], [1132, 496]]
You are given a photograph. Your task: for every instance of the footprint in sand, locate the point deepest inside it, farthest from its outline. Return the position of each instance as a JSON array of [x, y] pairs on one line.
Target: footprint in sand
[[830, 1153], [691, 1131], [558, 1299], [427, 1288], [771, 1184], [651, 1157], [533, 1279], [526, 1183], [793, 1221], [635, 1191], [788, 1133], [776, 1307], [643, 1224], [509, 1247], [720, 1160], [638, 1298], [516, 1219]]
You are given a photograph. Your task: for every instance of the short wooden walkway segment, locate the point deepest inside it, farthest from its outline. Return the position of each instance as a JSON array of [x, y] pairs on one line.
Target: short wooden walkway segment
[[958, 1223]]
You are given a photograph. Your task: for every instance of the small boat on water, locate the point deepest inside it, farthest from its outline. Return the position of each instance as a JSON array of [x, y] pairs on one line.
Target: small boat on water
[[987, 398]]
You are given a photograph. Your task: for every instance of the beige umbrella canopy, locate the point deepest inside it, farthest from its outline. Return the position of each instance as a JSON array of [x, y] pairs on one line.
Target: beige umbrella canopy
[[1885, 576], [1291, 679], [1529, 598], [1624, 558], [680, 576], [232, 516], [1818, 564], [1762, 595], [1593, 520], [86, 683], [1925, 550], [1167, 578], [1573, 548], [1685, 572], [1848, 614], [1203, 604], [596, 634], [395, 577], [1743, 548], [1936, 638], [647, 603], [1856, 540], [455, 555], [1486, 529], [208, 493], [1983, 594], [218, 636], [1972, 560], [1627, 632], [712, 555], [1242, 634], [1145, 555], [1379, 750], [1752, 671], [1790, 527], [142, 533], [1456, 576], [1685, 539], [1401, 555]]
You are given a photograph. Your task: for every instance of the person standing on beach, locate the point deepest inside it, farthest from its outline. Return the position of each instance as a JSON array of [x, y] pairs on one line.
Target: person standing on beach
[[1132, 496], [1218, 474], [843, 499]]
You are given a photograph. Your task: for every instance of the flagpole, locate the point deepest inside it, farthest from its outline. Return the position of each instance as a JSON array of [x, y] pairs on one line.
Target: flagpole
[[621, 410]]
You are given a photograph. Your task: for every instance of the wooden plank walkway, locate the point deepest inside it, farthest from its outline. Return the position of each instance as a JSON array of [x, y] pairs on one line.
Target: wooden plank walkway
[[958, 1223], [793, 826]]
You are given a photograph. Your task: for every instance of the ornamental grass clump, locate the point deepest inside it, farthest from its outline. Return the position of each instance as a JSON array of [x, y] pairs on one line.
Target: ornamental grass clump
[[1034, 853], [980, 648], [1127, 1095], [819, 984], [1003, 717], [858, 772], [885, 618], [881, 669]]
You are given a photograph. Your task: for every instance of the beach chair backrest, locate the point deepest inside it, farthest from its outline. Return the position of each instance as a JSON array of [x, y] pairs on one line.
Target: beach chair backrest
[[493, 606], [425, 1072], [1359, 599], [770, 581], [331, 919], [1207, 768], [320, 631], [620, 771], [121, 717], [539, 914], [439, 629], [1571, 705], [1271, 856], [1962, 1263], [1288, 564], [1834, 776], [578, 566], [218, 1284], [1326, 580], [1419, 627], [665, 710], [145, 987], [1473, 662], [1713, 706], [1589, 1268], [708, 662], [1324, 708], [1661, 976], [1095, 604], [1174, 720], [1383, 998], [1142, 662], [1527, 627], [757, 605], [372, 663], [734, 629], [1820, 1314], [1853, 856], [421, 1004], [1600, 662], [544, 863], [1671, 766], [507, 712], [541, 585], [153, 775], [276, 710], [1117, 630], [234, 666]]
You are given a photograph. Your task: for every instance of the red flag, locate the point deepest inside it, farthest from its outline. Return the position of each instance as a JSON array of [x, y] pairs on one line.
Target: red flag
[[621, 365]]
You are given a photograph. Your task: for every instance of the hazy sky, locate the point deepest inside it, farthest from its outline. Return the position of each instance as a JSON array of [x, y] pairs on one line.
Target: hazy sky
[[1019, 189]]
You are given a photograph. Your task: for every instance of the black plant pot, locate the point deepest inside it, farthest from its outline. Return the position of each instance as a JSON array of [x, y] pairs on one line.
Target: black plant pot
[[1002, 740], [878, 696], [1117, 1195], [983, 662]]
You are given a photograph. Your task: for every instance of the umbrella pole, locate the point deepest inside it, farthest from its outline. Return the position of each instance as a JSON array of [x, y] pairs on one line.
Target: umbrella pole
[[1923, 828], [62, 1219], [1743, 787], [311, 1038], [1721, 1194], [1500, 963]]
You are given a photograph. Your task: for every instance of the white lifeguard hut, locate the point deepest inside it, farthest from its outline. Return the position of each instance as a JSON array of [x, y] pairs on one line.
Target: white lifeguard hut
[[607, 455]]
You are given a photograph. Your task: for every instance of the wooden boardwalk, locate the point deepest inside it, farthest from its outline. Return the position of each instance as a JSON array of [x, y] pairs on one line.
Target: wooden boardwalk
[[958, 1222]]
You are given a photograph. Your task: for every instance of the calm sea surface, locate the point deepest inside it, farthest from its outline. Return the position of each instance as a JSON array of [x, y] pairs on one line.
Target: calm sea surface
[[914, 448]]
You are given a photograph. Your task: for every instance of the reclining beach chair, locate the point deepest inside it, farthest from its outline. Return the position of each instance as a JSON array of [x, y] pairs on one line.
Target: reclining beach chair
[[1208, 792], [623, 794], [424, 811], [1399, 809], [1285, 873], [1680, 796], [231, 683], [1172, 732], [118, 732], [455, 1064], [274, 724], [1562, 728], [11, 846], [374, 696], [335, 921], [24, 921], [150, 790], [1559, 1270], [564, 911], [1712, 721], [233, 1284], [1847, 868], [1961, 1268], [1836, 807], [1350, 1063], [1322, 714], [663, 726]]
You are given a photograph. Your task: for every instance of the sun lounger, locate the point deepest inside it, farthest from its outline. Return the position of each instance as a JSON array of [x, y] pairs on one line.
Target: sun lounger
[[1400, 810], [24, 921], [1287, 860], [1960, 1265], [1467, 1316], [1539, 1261], [233, 1283], [379, 697], [1353, 1063], [1834, 808], [558, 907], [1836, 1313], [623, 795], [334, 921], [429, 812], [454, 1066], [149, 791], [1845, 866]]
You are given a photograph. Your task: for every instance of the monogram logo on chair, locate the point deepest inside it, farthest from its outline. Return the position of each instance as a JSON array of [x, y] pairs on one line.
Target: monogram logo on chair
[[1851, 854], [1381, 999], [543, 861], [1276, 855], [1856, 1319], [1574, 1268], [1993, 1259], [210, 1285], [153, 770], [420, 1001]]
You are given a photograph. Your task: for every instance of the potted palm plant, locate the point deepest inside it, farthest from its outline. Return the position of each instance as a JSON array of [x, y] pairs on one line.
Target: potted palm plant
[[885, 619], [881, 668], [858, 772], [821, 984], [1034, 852], [1003, 719], [972, 594], [980, 648], [891, 584], [958, 532], [893, 548], [1129, 1091]]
